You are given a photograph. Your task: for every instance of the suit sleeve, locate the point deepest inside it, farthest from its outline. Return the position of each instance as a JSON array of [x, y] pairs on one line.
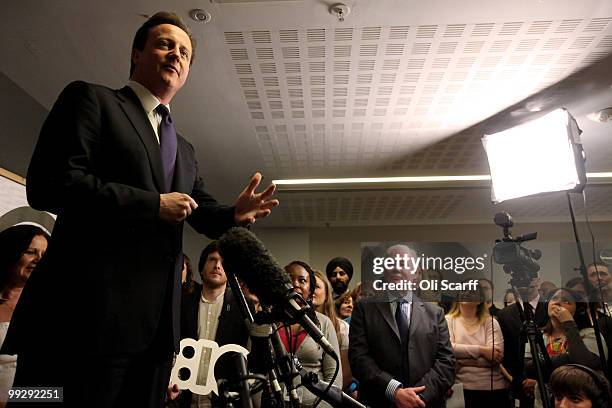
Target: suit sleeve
[[210, 218], [441, 376], [363, 366], [62, 177]]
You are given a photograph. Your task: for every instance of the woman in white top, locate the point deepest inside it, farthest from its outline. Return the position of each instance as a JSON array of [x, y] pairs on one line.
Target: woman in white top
[[478, 344], [21, 248]]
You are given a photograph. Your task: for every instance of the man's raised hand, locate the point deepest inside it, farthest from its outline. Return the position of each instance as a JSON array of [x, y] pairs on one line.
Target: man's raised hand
[[250, 205]]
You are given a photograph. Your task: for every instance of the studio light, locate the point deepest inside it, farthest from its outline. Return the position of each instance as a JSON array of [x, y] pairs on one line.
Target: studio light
[[539, 156]]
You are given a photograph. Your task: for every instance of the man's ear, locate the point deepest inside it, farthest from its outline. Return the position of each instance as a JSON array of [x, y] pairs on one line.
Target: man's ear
[[135, 56]]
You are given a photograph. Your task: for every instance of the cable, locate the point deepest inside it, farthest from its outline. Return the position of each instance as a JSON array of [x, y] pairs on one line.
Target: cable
[[492, 323], [333, 379]]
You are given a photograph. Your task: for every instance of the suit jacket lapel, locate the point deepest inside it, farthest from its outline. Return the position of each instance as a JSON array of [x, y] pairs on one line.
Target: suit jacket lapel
[[384, 307], [415, 315], [132, 107], [541, 313]]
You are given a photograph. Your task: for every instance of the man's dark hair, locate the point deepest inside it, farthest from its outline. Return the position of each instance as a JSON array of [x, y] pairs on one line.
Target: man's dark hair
[[210, 248], [161, 17]]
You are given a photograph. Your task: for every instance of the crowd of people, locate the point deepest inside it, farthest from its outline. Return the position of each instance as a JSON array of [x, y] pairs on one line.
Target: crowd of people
[[467, 360], [466, 350]]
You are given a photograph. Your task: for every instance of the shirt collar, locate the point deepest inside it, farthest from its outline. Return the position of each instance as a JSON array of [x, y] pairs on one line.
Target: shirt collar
[[213, 302], [148, 101], [534, 302], [395, 297]]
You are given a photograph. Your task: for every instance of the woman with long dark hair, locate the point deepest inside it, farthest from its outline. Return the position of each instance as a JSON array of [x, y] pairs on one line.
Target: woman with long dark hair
[[568, 336], [21, 248]]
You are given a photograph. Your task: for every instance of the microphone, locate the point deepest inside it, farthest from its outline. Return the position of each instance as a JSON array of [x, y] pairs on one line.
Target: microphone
[[245, 256]]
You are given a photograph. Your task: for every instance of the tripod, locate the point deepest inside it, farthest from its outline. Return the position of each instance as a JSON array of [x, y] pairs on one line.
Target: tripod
[[539, 355]]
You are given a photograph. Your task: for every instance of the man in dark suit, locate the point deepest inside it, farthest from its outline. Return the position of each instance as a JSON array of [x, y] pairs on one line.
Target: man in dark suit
[[399, 346], [514, 341], [100, 316], [211, 312]]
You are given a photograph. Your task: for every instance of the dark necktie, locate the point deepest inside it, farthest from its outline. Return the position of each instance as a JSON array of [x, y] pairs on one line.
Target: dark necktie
[[167, 144], [402, 326], [400, 319], [529, 312]]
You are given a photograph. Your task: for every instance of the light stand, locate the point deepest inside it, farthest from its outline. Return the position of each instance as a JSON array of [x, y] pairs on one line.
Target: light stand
[[552, 159], [592, 304]]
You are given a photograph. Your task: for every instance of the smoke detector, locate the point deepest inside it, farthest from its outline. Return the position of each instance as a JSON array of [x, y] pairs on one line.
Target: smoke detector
[[340, 10], [199, 15]]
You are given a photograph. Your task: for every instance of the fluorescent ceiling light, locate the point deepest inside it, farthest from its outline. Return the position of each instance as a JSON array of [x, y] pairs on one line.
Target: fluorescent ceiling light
[[538, 156], [375, 183], [380, 180]]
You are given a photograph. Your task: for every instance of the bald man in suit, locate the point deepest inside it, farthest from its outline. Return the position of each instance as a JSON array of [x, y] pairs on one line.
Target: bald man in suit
[[399, 346]]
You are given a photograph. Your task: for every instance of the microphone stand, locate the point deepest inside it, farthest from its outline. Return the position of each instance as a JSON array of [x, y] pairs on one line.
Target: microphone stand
[[274, 360], [333, 395], [244, 392], [286, 366], [289, 367]]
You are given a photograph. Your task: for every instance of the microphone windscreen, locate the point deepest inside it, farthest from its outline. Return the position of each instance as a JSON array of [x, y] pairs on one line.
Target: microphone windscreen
[[245, 256]]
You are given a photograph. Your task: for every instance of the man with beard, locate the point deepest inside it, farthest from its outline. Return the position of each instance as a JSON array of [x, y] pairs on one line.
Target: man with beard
[[211, 312], [600, 278], [339, 271], [399, 346]]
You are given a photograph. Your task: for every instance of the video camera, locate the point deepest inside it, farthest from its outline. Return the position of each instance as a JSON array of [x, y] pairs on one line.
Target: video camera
[[517, 260]]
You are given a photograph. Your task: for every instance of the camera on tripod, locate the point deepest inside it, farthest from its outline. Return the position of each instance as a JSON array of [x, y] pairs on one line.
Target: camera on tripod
[[517, 260], [521, 264]]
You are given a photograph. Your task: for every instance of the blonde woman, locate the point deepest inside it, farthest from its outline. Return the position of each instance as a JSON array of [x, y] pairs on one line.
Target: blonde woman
[[478, 344], [324, 303]]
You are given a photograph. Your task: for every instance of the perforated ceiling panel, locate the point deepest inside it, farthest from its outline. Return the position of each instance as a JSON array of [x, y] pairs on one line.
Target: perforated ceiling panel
[[413, 207], [417, 207], [348, 100]]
